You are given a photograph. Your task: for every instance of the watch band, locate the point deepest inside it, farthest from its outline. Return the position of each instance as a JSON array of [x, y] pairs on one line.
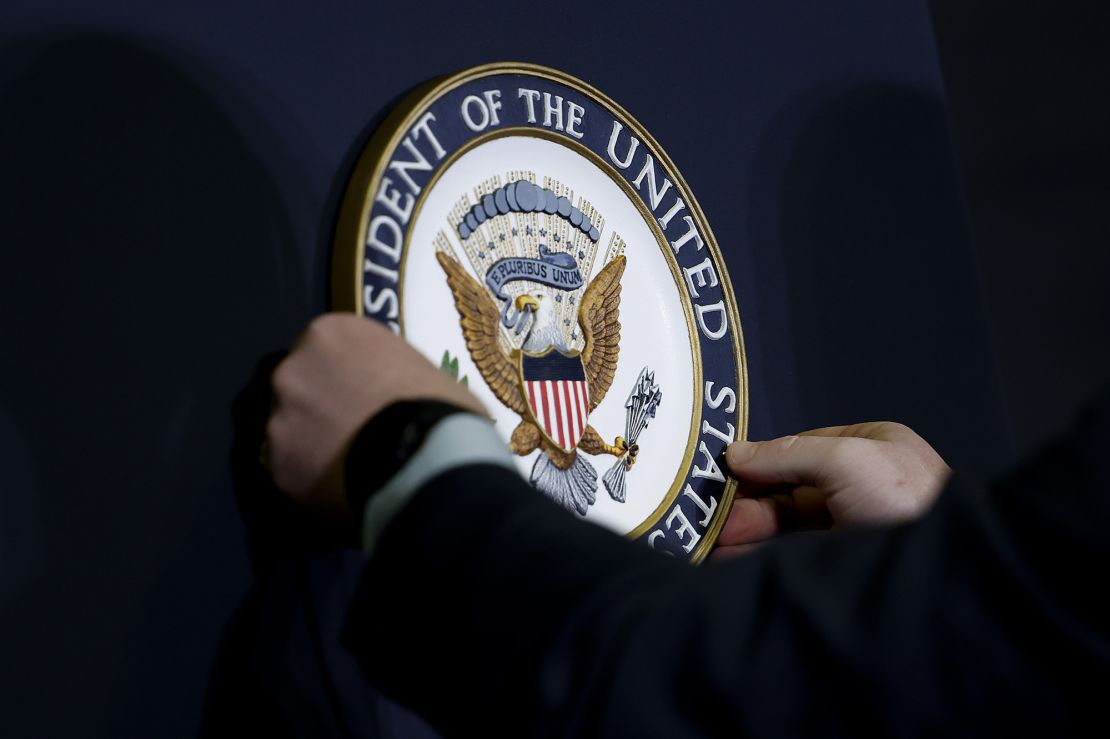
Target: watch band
[[460, 440], [386, 442]]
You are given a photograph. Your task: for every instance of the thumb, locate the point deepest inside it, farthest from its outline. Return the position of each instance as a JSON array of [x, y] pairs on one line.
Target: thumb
[[795, 460]]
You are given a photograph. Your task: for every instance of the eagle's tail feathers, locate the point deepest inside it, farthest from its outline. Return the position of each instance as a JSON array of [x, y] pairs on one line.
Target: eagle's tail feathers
[[574, 488]]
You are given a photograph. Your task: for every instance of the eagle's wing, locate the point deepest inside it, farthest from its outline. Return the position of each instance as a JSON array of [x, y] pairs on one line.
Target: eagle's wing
[[599, 316], [480, 320]]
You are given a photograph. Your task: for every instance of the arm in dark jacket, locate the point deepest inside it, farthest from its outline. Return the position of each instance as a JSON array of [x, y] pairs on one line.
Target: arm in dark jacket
[[492, 611]]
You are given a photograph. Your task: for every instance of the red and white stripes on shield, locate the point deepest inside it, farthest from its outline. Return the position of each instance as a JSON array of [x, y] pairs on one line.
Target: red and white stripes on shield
[[561, 407]]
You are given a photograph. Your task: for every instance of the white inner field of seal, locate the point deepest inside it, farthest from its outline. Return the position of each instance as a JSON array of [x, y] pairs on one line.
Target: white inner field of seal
[[654, 329]]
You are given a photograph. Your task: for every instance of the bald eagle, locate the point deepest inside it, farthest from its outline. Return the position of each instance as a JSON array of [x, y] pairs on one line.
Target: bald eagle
[[559, 471]]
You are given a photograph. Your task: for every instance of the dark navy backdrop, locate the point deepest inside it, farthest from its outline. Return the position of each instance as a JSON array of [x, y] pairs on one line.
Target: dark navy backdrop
[[170, 174]]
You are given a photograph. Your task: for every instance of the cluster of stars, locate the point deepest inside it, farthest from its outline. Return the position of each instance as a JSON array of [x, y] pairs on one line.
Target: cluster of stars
[[483, 254], [489, 251]]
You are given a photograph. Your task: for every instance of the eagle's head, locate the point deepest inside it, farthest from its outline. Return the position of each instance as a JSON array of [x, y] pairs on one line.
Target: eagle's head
[[544, 333]]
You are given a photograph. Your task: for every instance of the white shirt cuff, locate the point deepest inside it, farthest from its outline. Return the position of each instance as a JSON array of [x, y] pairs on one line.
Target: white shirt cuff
[[457, 441]]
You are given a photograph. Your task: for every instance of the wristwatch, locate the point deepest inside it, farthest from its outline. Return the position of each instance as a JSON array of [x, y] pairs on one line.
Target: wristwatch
[[386, 442]]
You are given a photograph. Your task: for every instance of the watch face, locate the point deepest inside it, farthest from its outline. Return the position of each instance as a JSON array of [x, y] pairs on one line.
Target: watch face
[[523, 231]]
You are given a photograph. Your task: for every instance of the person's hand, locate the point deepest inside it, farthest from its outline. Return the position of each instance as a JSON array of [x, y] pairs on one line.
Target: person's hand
[[343, 370], [866, 474]]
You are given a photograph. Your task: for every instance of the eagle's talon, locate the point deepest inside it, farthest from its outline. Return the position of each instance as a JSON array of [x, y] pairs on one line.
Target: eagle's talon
[[630, 452], [619, 447]]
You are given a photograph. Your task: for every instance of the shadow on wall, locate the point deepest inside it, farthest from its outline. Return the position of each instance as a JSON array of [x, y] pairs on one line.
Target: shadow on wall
[[857, 214], [147, 260]]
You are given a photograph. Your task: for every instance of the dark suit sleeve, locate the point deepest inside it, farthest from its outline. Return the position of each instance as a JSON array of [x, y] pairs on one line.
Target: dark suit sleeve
[[494, 613]]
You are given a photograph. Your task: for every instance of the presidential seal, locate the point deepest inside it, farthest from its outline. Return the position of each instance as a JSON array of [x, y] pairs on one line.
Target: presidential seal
[[522, 230]]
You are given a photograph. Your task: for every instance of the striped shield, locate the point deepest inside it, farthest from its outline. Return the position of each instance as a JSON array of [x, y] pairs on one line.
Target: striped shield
[[555, 386]]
